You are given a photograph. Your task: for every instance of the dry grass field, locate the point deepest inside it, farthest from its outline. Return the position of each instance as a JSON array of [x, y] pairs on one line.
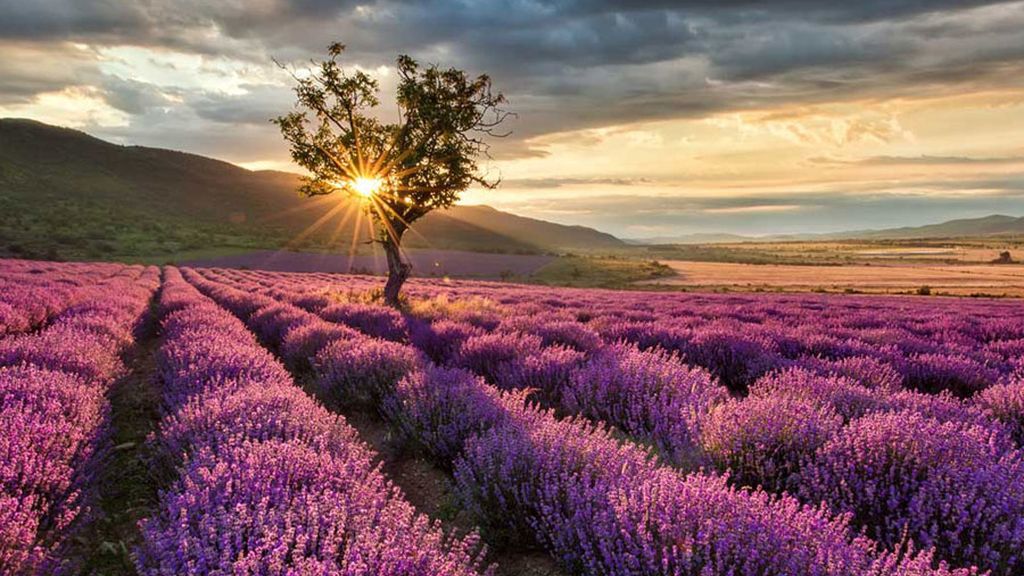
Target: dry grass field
[[962, 251], [986, 279]]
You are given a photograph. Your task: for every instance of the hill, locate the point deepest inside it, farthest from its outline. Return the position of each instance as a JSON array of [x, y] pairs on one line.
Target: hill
[[65, 194], [994, 225]]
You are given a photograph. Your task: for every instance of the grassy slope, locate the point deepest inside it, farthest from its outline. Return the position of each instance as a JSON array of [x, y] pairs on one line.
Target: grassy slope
[[67, 195], [598, 272]]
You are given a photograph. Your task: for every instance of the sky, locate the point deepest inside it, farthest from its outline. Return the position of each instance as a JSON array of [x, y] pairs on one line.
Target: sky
[[646, 118]]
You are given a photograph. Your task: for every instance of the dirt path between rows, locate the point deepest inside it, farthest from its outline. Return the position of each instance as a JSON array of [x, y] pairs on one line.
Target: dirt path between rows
[[429, 489], [127, 491]]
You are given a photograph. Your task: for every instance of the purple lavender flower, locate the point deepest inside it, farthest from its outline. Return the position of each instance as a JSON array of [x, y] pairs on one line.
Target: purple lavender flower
[[281, 507], [378, 321], [957, 374], [950, 486], [648, 394], [729, 354], [605, 508], [1005, 402], [357, 370], [766, 440], [844, 395], [442, 339], [555, 332], [486, 353], [303, 342], [441, 408]]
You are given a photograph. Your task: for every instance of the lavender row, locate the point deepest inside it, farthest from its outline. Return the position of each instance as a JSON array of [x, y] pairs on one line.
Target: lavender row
[[599, 506], [267, 481], [459, 321], [791, 435], [960, 346], [54, 420], [613, 383], [771, 439], [32, 293], [649, 395], [952, 476]]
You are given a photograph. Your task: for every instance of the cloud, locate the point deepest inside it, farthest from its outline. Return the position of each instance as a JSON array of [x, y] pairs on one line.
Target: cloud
[[834, 80], [132, 96], [572, 65], [255, 105], [923, 160], [756, 209], [29, 69], [818, 128], [58, 19], [781, 212], [548, 183]]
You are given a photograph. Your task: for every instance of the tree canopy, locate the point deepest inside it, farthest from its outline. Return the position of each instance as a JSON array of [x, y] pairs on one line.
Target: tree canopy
[[400, 170]]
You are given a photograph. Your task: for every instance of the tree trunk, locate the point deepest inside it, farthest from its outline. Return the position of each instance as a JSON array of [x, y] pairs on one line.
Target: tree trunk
[[398, 271]]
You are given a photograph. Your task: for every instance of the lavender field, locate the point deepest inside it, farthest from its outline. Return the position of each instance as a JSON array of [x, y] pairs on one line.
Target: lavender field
[[570, 431]]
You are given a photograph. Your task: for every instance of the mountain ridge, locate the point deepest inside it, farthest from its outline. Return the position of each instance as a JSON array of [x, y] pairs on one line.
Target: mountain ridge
[[991, 225]]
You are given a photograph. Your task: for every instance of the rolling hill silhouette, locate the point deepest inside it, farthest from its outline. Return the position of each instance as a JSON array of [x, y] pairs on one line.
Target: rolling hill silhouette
[[66, 194]]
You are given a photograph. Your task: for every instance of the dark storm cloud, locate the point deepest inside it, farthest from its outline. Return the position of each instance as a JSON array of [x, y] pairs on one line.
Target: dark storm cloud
[[42, 19], [564, 64], [830, 10], [78, 18]]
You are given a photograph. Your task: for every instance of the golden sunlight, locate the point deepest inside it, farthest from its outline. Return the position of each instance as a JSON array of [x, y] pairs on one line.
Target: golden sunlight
[[366, 187]]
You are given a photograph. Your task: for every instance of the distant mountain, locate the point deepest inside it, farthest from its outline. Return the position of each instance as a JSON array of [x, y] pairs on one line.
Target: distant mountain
[[994, 225], [997, 224], [64, 193], [535, 231]]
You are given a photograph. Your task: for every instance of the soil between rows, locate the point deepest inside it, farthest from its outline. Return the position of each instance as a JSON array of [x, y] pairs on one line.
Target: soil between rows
[[127, 491], [429, 488]]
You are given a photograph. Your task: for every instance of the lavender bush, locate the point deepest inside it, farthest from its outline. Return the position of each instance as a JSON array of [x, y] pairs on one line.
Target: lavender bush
[[766, 440], [267, 480], [950, 486], [648, 394], [1005, 403]]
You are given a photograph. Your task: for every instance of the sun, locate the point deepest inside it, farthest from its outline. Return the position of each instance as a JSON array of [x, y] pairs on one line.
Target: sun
[[366, 187]]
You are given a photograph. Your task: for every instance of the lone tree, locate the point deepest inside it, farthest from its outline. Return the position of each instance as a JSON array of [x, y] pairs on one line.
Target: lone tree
[[400, 171]]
